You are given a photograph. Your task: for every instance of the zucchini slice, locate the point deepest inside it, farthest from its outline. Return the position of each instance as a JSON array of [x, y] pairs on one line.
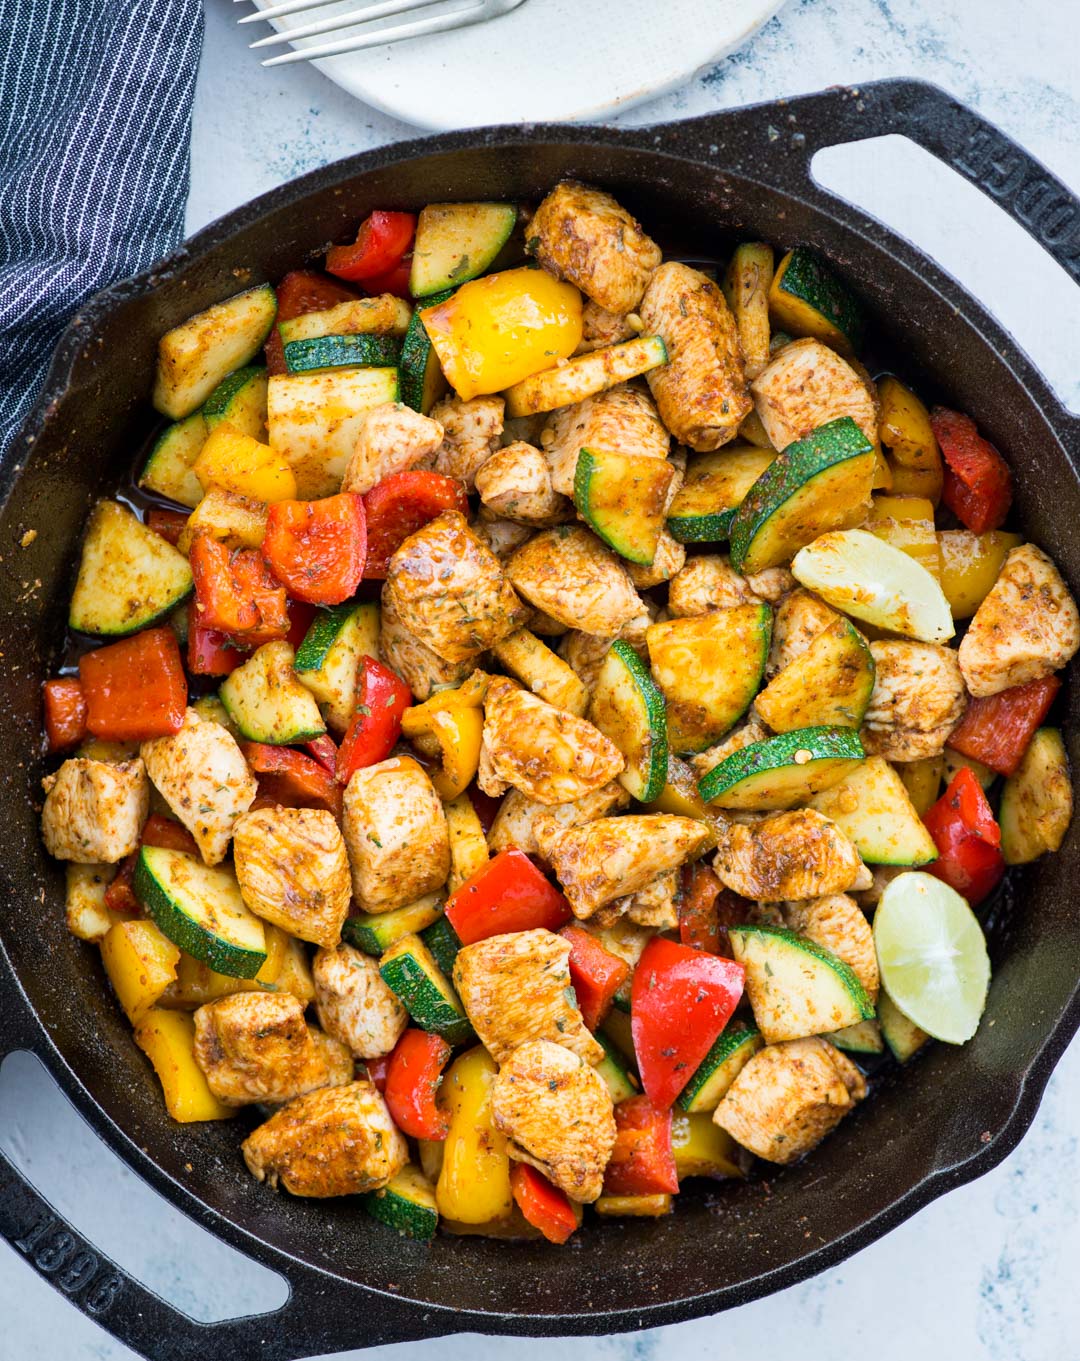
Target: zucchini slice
[[442, 941], [383, 315], [828, 685], [903, 1037], [872, 808], [240, 401], [863, 1038], [617, 1028], [628, 708], [328, 660], [375, 932], [341, 352], [783, 771], [817, 484], [533, 663], [807, 299], [409, 970], [735, 1046], [703, 1149], [169, 471], [623, 499], [195, 357], [456, 242], [422, 379], [1036, 803], [709, 668], [713, 489], [406, 1203], [201, 909], [314, 419], [585, 375], [128, 575], [797, 988], [615, 1072], [746, 288], [267, 702]]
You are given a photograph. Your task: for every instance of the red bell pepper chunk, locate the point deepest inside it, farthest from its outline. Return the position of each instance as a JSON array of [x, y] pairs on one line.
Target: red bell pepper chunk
[[642, 1162], [324, 749], [157, 831], [236, 594], [680, 1001], [967, 837], [375, 727], [291, 778], [996, 730], [412, 1079], [401, 504], [378, 1070], [395, 280], [168, 523], [302, 291], [382, 240], [317, 548], [543, 1205], [596, 973], [210, 653], [978, 483], [65, 712], [135, 689], [508, 894]]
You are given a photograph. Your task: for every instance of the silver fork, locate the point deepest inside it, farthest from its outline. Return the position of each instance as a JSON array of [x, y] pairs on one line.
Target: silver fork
[[461, 16]]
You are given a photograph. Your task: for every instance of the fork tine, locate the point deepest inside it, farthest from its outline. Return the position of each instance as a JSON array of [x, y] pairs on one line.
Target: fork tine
[[383, 10], [278, 11], [440, 23]]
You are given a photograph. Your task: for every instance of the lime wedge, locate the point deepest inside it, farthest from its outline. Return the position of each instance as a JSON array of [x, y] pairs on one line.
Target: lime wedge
[[932, 955]]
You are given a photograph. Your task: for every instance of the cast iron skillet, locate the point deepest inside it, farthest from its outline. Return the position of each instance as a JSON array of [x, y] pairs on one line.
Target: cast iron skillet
[[949, 1118]]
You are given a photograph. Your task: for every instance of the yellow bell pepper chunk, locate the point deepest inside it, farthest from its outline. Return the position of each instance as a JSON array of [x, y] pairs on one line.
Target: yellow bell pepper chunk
[[907, 522], [499, 330], [702, 1148], [235, 462], [970, 564], [922, 780], [140, 962], [474, 1184], [468, 845], [651, 1207], [451, 725], [905, 430], [167, 1038], [196, 983]]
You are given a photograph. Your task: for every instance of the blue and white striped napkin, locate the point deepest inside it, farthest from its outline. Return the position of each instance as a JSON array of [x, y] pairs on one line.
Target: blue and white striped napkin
[[95, 120]]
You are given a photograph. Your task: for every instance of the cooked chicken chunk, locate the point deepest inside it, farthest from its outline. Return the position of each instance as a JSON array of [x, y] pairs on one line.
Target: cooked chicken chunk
[[293, 871], [583, 235], [558, 1115], [396, 835], [806, 386], [519, 817], [337, 1141], [94, 810], [471, 433], [393, 438], [86, 914], [772, 584], [448, 589], [657, 904], [568, 573], [201, 774], [516, 988], [1026, 628], [354, 1004], [708, 582], [502, 536], [801, 854], [614, 857], [798, 620], [256, 1046], [701, 391], [621, 418], [600, 328], [584, 653], [743, 736], [668, 560], [422, 670], [788, 1097], [547, 753], [918, 699], [515, 482], [836, 922]]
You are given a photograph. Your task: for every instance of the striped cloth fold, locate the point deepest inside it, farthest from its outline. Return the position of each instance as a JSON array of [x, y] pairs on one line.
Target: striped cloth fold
[[95, 122]]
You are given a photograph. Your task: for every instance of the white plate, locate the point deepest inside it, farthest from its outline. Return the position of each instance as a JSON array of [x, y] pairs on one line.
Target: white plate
[[547, 61]]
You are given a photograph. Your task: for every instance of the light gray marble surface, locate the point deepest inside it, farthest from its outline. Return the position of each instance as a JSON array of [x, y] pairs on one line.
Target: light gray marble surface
[[988, 1273]]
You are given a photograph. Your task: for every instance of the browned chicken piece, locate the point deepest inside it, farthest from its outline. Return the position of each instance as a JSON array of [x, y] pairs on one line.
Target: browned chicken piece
[[622, 418], [471, 433], [516, 988], [519, 817], [806, 386], [515, 483], [568, 573], [797, 621], [614, 857], [354, 1004], [801, 854], [338, 1141], [657, 904], [743, 736], [918, 699], [708, 582], [584, 653], [558, 1116], [94, 810], [668, 560], [1026, 628], [583, 235], [201, 774], [448, 589], [881, 876], [772, 584], [836, 922], [256, 1046], [788, 1097], [600, 328], [293, 870], [547, 753], [701, 391], [396, 835], [502, 536], [422, 670], [393, 438]]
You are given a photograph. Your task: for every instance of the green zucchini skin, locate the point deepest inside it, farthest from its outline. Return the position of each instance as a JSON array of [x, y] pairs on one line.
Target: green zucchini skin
[[862, 1038], [374, 933], [442, 940], [782, 771], [338, 352], [808, 279], [456, 242], [712, 491], [328, 660], [623, 499], [405, 1203], [267, 702], [240, 400], [903, 1037], [628, 707], [735, 1046], [169, 469], [422, 379], [615, 1072], [409, 970]]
